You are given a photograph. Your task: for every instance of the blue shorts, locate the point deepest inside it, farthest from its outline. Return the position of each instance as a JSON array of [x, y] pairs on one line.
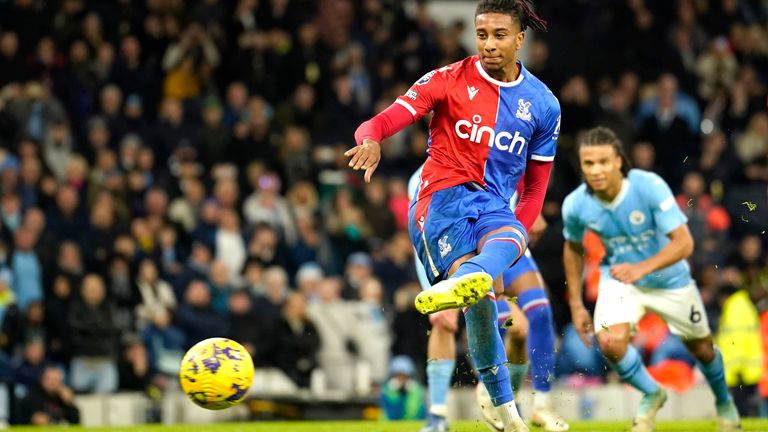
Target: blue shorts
[[449, 223], [525, 264]]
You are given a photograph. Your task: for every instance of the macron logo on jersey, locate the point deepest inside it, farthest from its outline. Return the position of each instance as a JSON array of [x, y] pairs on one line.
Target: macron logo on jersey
[[486, 135], [472, 92]]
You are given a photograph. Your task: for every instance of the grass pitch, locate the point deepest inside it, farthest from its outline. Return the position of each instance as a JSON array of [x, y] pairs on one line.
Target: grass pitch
[[755, 425]]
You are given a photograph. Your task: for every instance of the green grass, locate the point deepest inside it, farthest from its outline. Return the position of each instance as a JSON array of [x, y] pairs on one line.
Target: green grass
[[354, 426]]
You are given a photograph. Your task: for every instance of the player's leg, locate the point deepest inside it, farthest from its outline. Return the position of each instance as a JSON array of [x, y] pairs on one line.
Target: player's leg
[[684, 312], [516, 333], [524, 282], [441, 360], [618, 308], [513, 329], [445, 229]]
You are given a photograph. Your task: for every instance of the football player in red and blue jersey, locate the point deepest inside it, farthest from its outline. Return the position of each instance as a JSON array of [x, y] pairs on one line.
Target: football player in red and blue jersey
[[494, 126]]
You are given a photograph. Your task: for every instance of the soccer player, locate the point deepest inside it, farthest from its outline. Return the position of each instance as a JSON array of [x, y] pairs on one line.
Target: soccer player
[[647, 241], [493, 123], [523, 281]]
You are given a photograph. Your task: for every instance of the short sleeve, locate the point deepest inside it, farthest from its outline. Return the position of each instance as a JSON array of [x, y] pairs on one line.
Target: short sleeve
[[544, 142], [573, 227], [425, 94], [662, 203]]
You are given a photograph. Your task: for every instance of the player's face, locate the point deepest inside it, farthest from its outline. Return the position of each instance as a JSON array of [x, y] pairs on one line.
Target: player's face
[[601, 167], [498, 38]]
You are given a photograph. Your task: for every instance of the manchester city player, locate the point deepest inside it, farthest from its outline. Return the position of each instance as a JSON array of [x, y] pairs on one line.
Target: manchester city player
[[647, 241]]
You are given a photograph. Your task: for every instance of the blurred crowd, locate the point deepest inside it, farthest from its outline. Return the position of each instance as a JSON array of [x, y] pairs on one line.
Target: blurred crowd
[[172, 171]]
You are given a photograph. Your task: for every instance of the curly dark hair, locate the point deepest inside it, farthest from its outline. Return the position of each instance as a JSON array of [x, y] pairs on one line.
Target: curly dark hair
[[521, 10]]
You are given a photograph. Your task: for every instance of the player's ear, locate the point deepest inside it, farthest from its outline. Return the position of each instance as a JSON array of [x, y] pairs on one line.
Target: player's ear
[[519, 39]]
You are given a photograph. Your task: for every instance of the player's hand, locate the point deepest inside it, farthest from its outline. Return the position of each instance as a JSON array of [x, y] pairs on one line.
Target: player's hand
[[582, 322], [628, 272], [537, 230], [447, 319], [365, 156]]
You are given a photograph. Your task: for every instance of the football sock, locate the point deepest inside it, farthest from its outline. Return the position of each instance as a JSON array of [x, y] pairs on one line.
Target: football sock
[[715, 374], [499, 252], [517, 373], [632, 371], [487, 349], [439, 374], [541, 336]]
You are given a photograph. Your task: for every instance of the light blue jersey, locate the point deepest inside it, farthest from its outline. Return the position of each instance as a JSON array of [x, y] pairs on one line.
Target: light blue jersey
[[633, 227]]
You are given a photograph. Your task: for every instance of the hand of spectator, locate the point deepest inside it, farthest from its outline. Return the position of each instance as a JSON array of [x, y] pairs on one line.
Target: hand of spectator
[[365, 156], [66, 395], [628, 272], [40, 418], [447, 319], [537, 230], [582, 322]]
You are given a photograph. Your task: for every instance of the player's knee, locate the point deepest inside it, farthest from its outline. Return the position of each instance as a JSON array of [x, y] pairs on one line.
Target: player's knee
[[518, 331], [702, 349], [612, 344]]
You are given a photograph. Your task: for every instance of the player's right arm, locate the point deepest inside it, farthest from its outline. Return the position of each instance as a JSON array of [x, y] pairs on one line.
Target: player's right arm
[[573, 262], [423, 96]]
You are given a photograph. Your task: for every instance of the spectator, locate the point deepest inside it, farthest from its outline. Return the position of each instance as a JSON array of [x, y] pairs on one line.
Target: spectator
[[297, 341], [27, 271], [402, 396], [49, 403], [196, 318], [94, 339], [155, 293]]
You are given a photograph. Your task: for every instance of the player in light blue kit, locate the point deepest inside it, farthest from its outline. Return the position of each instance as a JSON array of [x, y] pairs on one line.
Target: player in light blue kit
[[647, 241], [530, 335]]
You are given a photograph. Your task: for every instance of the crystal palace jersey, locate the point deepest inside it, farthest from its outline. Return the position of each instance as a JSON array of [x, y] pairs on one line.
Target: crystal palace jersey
[[483, 130]]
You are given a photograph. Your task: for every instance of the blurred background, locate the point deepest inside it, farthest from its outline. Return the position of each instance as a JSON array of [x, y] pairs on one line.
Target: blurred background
[[172, 170]]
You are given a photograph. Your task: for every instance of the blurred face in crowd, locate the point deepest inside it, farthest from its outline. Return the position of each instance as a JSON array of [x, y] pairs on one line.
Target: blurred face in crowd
[[644, 155], [34, 219], [69, 257], [67, 200], [52, 380], [9, 44], [601, 167], [197, 294], [148, 271], [240, 303], [237, 96], [92, 290], [498, 38], [295, 307], [34, 352], [330, 289], [219, 273]]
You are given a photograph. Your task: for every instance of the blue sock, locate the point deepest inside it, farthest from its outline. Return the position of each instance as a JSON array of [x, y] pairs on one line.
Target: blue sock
[[439, 374], [631, 370], [541, 336], [487, 349], [500, 251], [715, 374], [517, 373]]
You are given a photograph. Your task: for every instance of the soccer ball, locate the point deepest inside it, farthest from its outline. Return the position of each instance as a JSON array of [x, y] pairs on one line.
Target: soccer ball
[[216, 373]]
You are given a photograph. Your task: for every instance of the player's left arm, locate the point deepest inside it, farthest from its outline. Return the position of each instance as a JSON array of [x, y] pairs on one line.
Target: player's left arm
[[668, 219], [541, 153]]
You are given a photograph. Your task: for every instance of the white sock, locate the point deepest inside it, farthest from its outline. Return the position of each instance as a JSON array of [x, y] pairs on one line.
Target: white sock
[[508, 413], [542, 400]]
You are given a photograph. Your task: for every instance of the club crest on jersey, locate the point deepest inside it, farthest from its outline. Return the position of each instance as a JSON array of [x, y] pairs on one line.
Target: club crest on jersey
[[444, 247], [523, 110], [425, 79], [636, 217]]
